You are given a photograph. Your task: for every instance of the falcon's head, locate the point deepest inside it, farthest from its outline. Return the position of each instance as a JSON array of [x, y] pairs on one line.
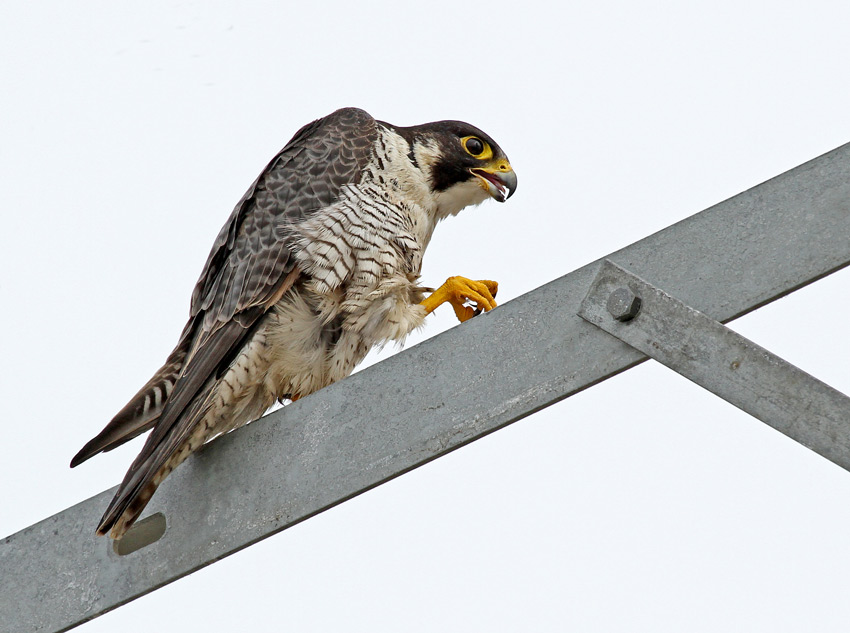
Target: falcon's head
[[462, 164]]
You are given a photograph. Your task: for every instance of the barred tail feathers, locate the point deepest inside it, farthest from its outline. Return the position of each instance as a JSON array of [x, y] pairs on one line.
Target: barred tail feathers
[[141, 413]]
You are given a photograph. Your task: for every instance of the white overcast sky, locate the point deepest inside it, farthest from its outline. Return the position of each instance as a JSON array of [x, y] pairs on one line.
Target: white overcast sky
[[127, 134]]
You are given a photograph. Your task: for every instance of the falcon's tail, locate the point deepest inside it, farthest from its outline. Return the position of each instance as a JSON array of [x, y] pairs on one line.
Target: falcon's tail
[[189, 417], [141, 413], [146, 473]]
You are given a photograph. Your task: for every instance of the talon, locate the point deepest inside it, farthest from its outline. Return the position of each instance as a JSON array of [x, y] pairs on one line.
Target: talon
[[457, 291], [493, 287]]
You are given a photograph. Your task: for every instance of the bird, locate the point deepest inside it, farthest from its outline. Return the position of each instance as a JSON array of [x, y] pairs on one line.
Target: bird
[[318, 262]]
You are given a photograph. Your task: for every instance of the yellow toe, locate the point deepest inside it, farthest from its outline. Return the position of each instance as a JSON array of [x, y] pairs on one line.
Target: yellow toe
[[458, 291]]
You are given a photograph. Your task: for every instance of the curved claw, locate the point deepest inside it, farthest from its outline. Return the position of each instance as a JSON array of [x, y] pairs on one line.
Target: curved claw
[[458, 291]]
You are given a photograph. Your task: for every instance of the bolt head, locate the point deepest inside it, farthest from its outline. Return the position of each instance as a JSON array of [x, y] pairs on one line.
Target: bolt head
[[623, 304]]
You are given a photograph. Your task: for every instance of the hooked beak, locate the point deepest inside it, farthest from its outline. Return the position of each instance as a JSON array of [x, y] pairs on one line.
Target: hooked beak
[[500, 182]]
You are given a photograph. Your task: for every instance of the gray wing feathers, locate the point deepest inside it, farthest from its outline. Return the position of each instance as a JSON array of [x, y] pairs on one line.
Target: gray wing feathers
[[245, 271], [250, 256]]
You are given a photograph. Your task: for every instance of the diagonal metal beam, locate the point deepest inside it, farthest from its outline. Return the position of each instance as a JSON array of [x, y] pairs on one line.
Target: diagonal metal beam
[[426, 401], [720, 360]]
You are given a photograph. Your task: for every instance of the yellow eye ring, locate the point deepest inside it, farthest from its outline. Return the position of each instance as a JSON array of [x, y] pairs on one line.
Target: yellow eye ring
[[476, 147]]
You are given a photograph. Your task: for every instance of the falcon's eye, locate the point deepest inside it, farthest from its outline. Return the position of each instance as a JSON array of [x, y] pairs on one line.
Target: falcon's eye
[[476, 147]]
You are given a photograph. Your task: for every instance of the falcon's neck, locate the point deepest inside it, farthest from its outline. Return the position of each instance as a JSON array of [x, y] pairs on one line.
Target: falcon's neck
[[410, 168]]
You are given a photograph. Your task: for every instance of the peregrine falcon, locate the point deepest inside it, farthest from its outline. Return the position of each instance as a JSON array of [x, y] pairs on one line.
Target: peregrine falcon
[[318, 262]]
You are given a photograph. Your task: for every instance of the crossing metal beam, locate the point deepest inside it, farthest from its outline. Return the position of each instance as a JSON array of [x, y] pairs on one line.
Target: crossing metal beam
[[426, 401], [720, 360]]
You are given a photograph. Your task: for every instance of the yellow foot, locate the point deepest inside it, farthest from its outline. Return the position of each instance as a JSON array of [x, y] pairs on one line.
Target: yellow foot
[[460, 290]]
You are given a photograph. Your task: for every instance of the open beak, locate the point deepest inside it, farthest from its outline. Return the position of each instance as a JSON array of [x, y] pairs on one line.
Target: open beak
[[499, 182]]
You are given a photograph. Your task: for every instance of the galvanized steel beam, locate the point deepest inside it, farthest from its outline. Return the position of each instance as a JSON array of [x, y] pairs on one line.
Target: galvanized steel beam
[[720, 360], [426, 401]]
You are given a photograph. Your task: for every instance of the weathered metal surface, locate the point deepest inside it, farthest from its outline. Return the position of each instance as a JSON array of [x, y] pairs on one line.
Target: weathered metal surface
[[724, 362], [426, 401]]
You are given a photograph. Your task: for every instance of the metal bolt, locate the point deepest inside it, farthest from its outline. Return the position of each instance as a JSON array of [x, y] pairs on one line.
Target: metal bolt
[[623, 304]]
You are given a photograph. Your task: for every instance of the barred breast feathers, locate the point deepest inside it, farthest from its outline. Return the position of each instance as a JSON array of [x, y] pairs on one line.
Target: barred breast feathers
[[370, 243]]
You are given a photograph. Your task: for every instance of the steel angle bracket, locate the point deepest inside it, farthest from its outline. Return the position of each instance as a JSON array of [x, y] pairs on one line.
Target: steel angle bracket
[[720, 360]]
